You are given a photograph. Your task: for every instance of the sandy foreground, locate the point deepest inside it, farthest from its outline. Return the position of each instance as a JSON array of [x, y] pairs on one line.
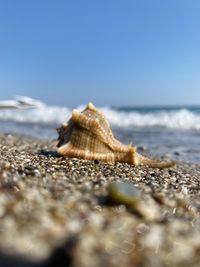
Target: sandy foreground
[[55, 211]]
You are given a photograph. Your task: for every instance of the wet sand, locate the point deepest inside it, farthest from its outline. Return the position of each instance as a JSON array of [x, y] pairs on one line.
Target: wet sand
[[54, 211]]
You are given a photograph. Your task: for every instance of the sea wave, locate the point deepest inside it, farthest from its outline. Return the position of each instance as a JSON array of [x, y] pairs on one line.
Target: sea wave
[[54, 115], [179, 119]]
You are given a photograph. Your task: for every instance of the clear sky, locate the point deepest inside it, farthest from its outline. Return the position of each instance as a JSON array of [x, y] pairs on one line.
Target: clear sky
[[110, 52]]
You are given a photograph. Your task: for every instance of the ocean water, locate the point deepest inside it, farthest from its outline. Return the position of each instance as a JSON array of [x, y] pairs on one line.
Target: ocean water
[[173, 131]]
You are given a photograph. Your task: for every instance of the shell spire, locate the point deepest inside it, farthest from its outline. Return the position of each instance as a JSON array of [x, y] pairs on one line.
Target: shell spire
[[88, 135]]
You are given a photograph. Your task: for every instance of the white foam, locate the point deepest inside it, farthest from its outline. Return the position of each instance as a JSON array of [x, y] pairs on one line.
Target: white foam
[[42, 115], [179, 119]]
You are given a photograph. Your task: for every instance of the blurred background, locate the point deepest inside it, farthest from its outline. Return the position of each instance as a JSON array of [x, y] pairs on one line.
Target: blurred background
[[138, 61]]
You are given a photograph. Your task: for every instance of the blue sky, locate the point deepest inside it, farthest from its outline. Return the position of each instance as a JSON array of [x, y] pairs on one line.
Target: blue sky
[[110, 52]]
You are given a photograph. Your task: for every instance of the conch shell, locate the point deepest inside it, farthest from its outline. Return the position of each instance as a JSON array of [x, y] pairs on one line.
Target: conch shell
[[89, 136]]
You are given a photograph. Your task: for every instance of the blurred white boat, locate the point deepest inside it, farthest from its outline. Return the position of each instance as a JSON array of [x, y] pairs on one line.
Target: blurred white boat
[[21, 102]]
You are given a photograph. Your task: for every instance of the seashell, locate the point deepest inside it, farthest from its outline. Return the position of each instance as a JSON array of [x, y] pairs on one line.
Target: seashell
[[88, 136]]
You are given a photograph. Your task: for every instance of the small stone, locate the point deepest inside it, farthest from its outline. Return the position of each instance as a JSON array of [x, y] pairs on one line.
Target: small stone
[[37, 173], [123, 193]]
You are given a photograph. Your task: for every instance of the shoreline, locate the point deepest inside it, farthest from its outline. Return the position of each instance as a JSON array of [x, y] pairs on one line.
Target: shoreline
[[47, 201]]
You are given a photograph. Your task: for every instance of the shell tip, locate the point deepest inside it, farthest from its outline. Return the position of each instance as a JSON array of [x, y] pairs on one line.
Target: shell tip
[[91, 106]]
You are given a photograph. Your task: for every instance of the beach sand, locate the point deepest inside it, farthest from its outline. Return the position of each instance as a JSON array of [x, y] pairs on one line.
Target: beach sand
[[54, 211]]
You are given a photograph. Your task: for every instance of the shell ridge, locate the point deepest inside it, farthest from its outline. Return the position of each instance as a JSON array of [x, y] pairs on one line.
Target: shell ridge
[[94, 126], [88, 136]]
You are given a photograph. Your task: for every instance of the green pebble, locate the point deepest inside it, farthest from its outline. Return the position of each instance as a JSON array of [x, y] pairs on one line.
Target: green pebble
[[123, 193]]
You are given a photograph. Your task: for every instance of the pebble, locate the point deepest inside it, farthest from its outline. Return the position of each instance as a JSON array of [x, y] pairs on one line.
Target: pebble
[[123, 193]]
